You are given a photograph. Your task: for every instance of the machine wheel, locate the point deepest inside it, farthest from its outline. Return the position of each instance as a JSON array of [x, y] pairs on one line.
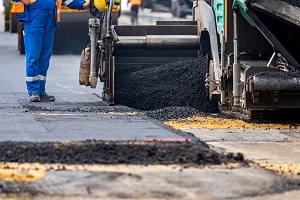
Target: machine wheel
[[21, 45]]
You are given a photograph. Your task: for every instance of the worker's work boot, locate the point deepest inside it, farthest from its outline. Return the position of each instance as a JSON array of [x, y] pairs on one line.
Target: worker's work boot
[[35, 97], [47, 98]]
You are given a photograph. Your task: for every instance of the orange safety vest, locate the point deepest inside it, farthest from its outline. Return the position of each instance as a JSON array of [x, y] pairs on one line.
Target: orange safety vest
[[18, 7], [135, 2]]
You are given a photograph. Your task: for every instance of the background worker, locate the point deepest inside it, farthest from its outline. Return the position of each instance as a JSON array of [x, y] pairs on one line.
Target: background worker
[[134, 10], [41, 18]]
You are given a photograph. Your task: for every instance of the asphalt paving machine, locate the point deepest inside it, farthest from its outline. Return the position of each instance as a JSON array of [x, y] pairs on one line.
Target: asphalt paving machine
[[251, 47]]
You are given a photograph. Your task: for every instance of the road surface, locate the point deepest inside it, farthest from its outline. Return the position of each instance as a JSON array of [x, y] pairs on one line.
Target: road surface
[[79, 115]]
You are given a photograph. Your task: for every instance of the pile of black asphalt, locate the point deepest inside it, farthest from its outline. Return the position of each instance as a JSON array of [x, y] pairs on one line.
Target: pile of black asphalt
[[169, 91], [126, 152]]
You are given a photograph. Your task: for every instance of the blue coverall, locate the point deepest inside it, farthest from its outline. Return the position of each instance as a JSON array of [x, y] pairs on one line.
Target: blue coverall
[[39, 27]]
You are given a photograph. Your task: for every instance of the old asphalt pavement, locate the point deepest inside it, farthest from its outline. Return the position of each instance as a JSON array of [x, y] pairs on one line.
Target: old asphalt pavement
[[79, 115]]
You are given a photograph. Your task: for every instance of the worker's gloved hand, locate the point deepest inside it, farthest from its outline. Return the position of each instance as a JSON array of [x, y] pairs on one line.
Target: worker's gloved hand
[[86, 5]]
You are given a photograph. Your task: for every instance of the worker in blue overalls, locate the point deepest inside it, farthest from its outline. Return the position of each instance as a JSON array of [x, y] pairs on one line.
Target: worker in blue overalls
[[41, 18]]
